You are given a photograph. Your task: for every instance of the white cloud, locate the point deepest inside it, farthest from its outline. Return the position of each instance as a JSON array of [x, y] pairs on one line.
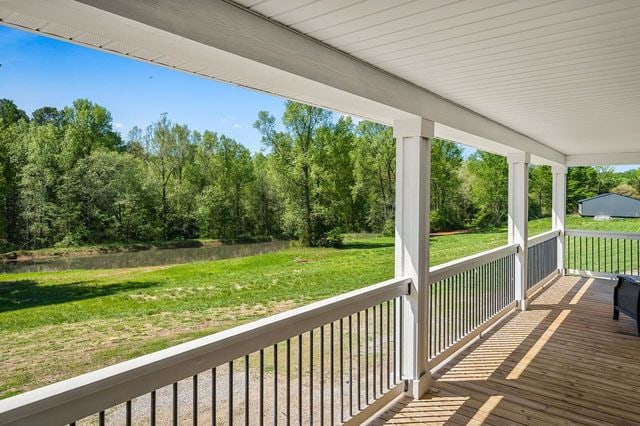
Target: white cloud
[[118, 125], [237, 126]]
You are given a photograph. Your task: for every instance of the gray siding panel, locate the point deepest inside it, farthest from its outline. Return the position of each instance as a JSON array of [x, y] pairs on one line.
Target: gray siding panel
[[610, 205]]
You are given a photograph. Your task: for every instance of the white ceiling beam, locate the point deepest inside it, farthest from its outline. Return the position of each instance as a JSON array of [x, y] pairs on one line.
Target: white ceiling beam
[[451, 134], [615, 159], [272, 58]]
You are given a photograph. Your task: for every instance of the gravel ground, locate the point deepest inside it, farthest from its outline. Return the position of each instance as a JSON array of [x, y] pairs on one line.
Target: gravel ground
[[141, 407]]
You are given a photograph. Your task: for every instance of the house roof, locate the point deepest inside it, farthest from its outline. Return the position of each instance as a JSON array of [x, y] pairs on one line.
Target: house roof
[[606, 194]]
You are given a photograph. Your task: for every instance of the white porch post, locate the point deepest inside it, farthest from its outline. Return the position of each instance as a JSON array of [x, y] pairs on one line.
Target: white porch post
[[518, 220], [559, 208], [413, 174]]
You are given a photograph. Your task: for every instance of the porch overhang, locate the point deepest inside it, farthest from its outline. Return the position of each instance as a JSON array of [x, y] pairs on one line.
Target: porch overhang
[[223, 41]]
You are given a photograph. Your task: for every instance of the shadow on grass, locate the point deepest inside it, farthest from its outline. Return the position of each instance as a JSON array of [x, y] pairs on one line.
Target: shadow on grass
[[367, 245], [23, 294]]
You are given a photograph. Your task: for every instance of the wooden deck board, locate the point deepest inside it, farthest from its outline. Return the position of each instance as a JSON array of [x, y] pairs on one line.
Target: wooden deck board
[[564, 361]]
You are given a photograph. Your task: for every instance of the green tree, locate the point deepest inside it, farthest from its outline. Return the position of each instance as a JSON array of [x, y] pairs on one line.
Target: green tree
[[540, 191], [10, 113], [13, 127], [166, 152], [88, 127], [606, 178], [297, 153], [626, 190], [582, 182], [446, 184], [39, 187], [374, 168], [635, 180], [105, 199], [266, 199], [222, 174], [46, 115], [488, 176], [335, 180]]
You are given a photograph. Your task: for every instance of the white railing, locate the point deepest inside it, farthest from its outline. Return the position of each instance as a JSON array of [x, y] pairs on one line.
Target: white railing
[[131, 391], [468, 295], [542, 259], [464, 264], [541, 238], [295, 365], [602, 253]]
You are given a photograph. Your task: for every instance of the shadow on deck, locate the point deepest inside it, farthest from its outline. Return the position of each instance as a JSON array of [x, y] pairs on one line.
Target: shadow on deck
[[564, 361]]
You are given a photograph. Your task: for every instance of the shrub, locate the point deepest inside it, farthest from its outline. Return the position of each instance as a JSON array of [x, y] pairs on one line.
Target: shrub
[[389, 228], [332, 238]]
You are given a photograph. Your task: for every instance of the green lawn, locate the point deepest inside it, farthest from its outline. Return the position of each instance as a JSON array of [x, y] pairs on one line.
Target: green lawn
[[57, 325], [617, 225]]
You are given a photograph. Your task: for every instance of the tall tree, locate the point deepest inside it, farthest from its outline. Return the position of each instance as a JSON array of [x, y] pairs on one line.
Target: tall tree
[[266, 199], [106, 199], [46, 115], [606, 178], [374, 157], [335, 180], [446, 195], [13, 127], [88, 127], [582, 182], [10, 113], [164, 145], [540, 190], [223, 205], [39, 187], [296, 153], [488, 180]]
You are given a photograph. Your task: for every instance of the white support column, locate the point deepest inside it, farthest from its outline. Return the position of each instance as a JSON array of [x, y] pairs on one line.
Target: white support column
[[518, 220], [413, 174], [559, 208]]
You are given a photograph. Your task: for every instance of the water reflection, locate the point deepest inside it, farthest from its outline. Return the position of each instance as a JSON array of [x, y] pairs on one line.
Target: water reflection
[[144, 258]]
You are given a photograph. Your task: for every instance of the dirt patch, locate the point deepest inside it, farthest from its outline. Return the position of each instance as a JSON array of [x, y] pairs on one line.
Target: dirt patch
[[445, 233]]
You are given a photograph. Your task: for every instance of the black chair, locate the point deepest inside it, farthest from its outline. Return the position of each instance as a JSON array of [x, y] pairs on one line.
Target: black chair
[[626, 298]]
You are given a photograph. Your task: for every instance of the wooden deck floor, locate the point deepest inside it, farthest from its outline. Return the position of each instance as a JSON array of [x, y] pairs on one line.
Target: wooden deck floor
[[564, 361]]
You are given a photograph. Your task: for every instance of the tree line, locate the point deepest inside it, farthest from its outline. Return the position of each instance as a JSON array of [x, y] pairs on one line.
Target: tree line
[[67, 177]]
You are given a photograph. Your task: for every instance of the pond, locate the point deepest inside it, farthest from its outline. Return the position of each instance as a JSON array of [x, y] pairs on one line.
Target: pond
[[154, 257]]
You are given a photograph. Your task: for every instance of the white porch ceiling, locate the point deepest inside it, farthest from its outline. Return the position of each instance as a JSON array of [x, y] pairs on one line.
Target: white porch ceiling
[[552, 77], [566, 72]]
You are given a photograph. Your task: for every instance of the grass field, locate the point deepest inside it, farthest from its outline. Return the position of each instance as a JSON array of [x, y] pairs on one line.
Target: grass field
[[57, 325]]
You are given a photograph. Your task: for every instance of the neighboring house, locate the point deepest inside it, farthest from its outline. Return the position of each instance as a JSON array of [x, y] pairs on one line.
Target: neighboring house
[[614, 205]]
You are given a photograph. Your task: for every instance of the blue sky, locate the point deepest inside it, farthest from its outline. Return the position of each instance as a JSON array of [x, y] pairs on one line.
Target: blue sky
[[38, 71]]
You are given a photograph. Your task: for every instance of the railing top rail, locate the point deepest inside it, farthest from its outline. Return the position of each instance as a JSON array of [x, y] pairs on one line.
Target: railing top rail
[[541, 238], [90, 393], [458, 266], [602, 234]]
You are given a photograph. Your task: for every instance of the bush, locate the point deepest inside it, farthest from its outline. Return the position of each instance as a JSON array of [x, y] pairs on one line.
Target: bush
[[332, 238], [4, 246], [446, 220], [389, 228]]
